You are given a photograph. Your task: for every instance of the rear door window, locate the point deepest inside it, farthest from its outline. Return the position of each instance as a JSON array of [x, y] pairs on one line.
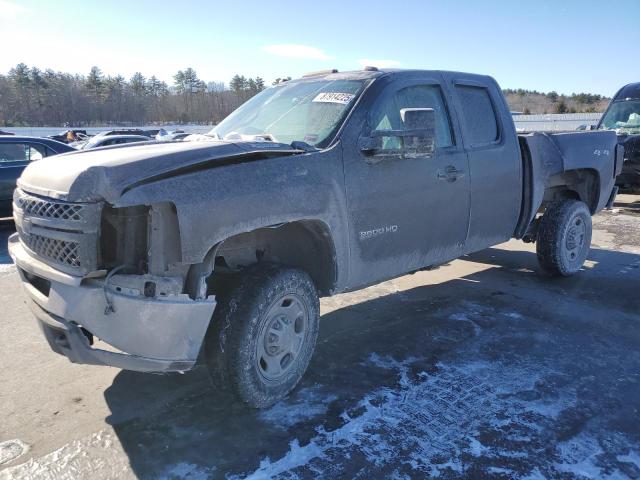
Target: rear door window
[[479, 116]]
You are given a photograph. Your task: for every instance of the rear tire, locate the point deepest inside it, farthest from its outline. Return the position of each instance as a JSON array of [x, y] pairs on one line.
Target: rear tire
[[263, 334], [564, 237]]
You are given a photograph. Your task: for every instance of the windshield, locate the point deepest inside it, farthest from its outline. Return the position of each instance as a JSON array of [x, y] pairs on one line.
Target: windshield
[[623, 116], [308, 111], [93, 142]]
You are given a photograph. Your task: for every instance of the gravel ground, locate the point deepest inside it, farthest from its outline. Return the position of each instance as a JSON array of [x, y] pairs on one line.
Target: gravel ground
[[484, 368]]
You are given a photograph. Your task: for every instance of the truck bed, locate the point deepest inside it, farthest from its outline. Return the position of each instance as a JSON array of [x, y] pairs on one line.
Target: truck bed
[[588, 161]]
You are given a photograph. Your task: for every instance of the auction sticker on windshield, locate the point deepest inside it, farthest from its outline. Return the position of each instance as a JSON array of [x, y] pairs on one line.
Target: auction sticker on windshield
[[334, 97]]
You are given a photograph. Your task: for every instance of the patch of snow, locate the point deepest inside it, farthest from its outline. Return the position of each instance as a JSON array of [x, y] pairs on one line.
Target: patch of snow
[[535, 474], [187, 471], [475, 447], [304, 405], [463, 317], [12, 449], [297, 456], [97, 456], [580, 458], [499, 470], [631, 457], [421, 421]]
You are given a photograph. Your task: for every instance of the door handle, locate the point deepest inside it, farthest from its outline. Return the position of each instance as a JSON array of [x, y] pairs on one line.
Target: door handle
[[450, 174]]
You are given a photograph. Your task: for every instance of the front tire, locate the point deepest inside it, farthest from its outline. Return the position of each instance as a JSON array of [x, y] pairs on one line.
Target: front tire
[[263, 334], [564, 237]]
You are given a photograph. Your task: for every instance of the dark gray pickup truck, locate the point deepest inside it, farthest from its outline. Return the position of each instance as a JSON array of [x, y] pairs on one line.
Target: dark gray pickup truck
[[149, 257]]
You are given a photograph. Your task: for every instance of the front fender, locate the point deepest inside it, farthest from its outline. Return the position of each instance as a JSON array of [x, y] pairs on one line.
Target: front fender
[[215, 204]]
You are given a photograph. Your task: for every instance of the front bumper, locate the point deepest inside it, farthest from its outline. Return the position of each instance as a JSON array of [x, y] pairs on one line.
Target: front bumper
[[159, 334], [630, 175]]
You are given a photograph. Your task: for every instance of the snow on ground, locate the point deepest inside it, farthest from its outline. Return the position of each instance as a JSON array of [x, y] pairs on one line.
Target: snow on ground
[[499, 374], [472, 415], [468, 418], [96, 456]]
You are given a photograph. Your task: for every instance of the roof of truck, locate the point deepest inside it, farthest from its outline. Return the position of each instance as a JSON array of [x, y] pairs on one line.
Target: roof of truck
[[369, 72], [631, 90]]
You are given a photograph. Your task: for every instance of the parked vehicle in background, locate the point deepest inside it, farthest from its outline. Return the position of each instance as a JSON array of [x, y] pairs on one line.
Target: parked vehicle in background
[[108, 140], [623, 116], [2, 132], [315, 186], [151, 133], [164, 136], [70, 136], [179, 136], [16, 153]]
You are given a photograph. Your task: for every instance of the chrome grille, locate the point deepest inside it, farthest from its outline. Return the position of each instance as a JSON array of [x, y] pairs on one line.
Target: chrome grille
[[61, 234], [48, 209], [60, 251]]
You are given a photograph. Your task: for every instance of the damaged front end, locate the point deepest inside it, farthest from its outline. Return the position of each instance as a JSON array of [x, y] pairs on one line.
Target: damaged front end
[[93, 271]]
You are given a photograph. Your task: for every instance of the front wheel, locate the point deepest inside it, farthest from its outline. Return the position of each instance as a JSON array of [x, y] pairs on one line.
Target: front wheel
[[564, 237], [264, 333]]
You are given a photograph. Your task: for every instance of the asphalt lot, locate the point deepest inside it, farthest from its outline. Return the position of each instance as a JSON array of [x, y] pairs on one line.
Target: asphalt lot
[[483, 368]]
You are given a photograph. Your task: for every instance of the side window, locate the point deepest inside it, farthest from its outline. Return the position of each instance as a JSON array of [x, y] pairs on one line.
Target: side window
[[14, 152], [481, 126], [36, 152], [386, 114]]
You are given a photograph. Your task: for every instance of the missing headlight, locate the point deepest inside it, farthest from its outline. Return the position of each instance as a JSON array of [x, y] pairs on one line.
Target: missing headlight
[[124, 238]]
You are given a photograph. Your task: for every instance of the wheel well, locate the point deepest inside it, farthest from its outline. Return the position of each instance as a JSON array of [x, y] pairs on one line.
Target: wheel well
[[581, 184], [305, 244]]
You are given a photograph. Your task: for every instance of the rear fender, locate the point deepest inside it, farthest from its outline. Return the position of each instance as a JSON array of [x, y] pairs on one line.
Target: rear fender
[[577, 165]]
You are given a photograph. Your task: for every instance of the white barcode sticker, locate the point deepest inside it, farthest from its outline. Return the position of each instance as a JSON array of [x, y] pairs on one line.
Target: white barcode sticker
[[334, 97]]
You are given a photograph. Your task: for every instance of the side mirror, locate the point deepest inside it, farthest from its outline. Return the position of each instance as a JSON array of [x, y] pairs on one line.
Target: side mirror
[[421, 123], [419, 119], [416, 139]]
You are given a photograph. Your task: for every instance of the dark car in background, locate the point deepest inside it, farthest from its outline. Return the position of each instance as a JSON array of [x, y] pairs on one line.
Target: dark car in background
[[16, 152], [623, 116]]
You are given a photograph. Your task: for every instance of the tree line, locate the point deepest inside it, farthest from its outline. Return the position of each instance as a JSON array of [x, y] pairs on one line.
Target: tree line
[[532, 101], [33, 97]]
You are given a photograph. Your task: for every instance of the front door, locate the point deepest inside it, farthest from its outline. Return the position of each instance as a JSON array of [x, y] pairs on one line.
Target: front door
[[405, 211]]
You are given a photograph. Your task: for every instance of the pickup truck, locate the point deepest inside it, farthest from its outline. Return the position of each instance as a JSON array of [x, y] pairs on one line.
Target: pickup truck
[[623, 116], [217, 249]]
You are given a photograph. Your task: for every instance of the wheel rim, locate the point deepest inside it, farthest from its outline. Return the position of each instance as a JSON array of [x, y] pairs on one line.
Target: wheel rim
[[282, 337], [575, 239]]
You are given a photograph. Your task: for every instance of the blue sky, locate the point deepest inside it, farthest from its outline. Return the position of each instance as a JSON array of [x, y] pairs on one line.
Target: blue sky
[[567, 46]]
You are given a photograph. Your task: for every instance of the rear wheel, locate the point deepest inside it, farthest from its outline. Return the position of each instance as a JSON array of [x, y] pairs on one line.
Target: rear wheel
[[564, 237], [263, 334]]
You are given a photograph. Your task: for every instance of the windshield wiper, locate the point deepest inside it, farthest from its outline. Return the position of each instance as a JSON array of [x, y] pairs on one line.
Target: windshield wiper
[[304, 146]]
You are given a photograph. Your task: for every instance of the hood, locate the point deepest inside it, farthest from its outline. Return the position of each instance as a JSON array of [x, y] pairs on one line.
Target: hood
[[105, 173]]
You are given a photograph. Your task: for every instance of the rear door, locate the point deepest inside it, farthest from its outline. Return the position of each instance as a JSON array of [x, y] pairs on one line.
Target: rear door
[[405, 212], [495, 165]]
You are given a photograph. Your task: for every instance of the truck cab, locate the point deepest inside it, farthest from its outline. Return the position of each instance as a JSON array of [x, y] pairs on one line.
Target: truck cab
[[408, 211]]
